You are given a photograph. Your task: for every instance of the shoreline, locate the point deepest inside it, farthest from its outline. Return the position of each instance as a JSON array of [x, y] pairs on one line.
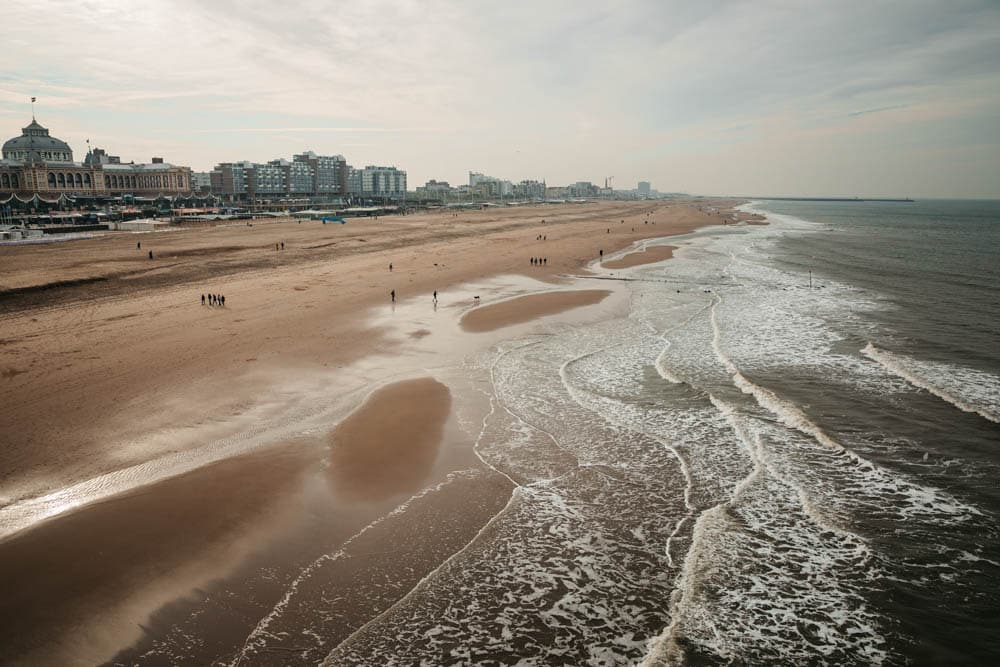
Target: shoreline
[[293, 307]]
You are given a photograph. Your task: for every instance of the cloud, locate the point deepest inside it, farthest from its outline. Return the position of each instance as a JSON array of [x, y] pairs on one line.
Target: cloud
[[865, 112], [315, 129], [441, 88]]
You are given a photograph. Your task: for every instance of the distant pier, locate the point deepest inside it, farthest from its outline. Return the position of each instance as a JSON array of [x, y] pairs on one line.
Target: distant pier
[[845, 199]]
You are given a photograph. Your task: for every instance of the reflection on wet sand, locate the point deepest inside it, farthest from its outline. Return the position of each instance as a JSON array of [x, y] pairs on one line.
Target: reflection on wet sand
[[389, 445], [89, 574], [527, 308]]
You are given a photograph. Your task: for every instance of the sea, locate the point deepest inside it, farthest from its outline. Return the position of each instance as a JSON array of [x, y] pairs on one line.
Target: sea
[[784, 450]]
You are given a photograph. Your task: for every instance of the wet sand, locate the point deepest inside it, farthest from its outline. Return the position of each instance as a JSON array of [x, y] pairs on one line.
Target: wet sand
[[527, 308], [650, 255], [398, 441], [112, 361], [388, 445], [78, 587]]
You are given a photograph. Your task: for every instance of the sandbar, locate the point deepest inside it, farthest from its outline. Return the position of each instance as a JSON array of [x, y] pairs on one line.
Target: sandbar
[[526, 308], [388, 445], [650, 255]]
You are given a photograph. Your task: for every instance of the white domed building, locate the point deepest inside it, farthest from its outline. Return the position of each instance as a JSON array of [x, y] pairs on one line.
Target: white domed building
[[37, 164]]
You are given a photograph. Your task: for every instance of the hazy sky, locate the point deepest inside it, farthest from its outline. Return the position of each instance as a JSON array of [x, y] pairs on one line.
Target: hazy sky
[[784, 97]]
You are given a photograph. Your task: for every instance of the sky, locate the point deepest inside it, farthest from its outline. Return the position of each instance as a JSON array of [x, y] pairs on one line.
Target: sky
[[783, 97]]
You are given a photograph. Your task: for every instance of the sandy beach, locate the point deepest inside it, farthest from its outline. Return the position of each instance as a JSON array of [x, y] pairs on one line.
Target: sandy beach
[[189, 418]]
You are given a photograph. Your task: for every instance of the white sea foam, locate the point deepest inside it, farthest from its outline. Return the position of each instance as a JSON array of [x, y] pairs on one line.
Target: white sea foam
[[967, 389]]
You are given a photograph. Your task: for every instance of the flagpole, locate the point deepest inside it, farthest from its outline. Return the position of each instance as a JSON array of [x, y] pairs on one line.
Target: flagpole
[[32, 108]]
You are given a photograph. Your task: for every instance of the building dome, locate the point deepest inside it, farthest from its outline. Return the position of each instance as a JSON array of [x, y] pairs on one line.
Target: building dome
[[35, 144]]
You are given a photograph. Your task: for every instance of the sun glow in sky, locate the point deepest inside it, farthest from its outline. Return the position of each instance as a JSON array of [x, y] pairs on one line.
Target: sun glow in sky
[[825, 98]]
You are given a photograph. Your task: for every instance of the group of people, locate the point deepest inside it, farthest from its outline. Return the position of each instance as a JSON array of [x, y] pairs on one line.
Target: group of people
[[541, 237], [539, 261], [279, 246], [214, 300]]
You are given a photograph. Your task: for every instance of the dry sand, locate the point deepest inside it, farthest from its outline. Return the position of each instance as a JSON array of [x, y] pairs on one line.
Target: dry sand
[[650, 255], [527, 308], [107, 359]]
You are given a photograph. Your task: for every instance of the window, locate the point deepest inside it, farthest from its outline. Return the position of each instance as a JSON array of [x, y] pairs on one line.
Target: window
[[61, 178], [6, 181]]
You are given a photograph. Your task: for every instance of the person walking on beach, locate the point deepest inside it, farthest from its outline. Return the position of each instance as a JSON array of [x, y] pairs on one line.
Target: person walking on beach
[[203, 299], [390, 267], [138, 245], [601, 253], [223, 297], [392, 295], [151, 254], [282, 245], [435, 296]]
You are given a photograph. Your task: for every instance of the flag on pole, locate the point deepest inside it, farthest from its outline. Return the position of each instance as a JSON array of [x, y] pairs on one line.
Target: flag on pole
[[32, 99]]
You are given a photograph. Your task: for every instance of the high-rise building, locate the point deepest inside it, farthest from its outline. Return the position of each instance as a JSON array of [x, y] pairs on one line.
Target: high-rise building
[[582, 189], [354, 182], [306, 175], [433, 188], [383, 182], [329, 173], [230, 179], [265, 180], [644, 188], [530, 190]]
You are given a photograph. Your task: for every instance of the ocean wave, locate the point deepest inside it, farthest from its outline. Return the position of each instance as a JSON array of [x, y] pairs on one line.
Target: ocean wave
[[967, 389]]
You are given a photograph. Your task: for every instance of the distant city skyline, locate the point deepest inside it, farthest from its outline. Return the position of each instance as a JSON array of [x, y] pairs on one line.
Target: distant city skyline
[[812, 99]]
